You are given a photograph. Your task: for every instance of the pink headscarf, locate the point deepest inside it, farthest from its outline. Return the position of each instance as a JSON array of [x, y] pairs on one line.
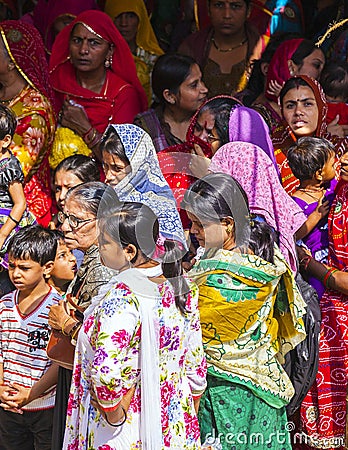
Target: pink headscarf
[[255, 172], [278, 69]]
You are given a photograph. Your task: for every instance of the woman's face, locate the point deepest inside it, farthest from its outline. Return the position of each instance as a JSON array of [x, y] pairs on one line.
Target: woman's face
[[344, 167], [88, 51], [114, 168], [127, 24], [312, 65], [63, 181], [208, 235], [85, 234], [228, 17], [205, 130], [300, 110], [192, 91]]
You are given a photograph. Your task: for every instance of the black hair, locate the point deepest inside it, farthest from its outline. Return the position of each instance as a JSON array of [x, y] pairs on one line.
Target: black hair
[[111, 143], [84, 167], [305, 48], [137, 224], [8, 122], [309, 155], [334, 79], [218, 196], [292, 83], [257, 79], [221, 108], [33, 242], [88, 195], [169, 72], [247, 2]]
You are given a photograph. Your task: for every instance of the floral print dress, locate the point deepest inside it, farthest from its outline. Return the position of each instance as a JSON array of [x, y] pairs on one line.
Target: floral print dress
[[108, 361]]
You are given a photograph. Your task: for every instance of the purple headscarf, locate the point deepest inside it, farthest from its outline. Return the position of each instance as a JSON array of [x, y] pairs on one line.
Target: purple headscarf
[[247, 125]]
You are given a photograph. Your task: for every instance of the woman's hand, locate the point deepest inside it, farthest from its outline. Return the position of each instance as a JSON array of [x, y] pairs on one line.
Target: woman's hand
[[199, 163], [323, 207], [336, 129], [74, 117], [58, 316], [274, 88]]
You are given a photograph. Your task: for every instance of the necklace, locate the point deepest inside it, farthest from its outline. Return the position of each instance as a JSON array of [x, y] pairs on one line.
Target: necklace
[[222, 50], [308, 192]]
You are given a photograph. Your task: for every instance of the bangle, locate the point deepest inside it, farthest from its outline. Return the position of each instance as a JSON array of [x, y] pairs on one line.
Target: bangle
[[88, 139], [305, 262], [328, 276], [76, 331], [65, 322], [14, 220], [120, 423], [87, 132], [74, 328]]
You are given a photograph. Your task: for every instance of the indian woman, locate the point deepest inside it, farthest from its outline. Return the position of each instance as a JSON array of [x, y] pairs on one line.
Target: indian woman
[[24, 87], [238, 277]]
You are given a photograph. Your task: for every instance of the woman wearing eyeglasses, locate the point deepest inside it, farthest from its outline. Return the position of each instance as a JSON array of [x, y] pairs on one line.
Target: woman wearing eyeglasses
[[79, 225]]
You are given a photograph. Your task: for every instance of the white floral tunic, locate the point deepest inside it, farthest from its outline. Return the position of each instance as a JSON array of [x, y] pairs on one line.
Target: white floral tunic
[[107, 360]]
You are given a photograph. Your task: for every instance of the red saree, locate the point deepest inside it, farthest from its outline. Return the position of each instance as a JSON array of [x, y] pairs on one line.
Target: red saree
[[35, 116], [323, 411], [122, 96]]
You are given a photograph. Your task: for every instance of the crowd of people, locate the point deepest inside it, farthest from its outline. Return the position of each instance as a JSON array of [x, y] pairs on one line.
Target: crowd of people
[[167, 191]]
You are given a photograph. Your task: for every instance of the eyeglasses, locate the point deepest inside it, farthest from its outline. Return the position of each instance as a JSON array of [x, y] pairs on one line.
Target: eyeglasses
[[73, 221]]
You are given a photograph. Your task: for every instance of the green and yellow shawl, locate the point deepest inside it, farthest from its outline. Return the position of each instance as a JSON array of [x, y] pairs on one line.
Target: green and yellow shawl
[[251, 315]]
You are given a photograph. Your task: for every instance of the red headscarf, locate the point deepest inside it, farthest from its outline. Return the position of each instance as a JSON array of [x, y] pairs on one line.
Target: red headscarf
[[45, 13], [25, 48], [283, 137], [123, 69], [278, 69]]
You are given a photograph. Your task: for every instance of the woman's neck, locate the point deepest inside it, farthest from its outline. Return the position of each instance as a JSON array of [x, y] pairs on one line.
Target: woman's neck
[[227, 42], [178, 121], [11, 87], [92, 81]]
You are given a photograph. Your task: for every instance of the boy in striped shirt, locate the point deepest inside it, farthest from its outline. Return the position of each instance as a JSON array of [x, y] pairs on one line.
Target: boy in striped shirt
[[27, 376]]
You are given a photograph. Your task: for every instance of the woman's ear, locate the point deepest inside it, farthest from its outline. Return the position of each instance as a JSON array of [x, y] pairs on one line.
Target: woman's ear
[[319, 175], [228, 222], [291, 67], [130, 252], [169, 97]]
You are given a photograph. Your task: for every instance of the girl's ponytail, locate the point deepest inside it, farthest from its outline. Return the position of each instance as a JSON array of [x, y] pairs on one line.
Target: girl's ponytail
[[173, 271]]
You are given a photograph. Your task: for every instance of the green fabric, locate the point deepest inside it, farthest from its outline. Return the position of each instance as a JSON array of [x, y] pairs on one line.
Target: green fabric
[[242, 420]]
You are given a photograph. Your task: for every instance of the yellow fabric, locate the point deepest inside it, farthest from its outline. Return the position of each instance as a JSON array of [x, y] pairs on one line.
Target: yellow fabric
[[144, 75], [146, 38], [251, 315], [67, 143]]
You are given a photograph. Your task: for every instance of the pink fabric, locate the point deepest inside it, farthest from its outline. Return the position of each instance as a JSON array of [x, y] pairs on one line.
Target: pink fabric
[[255, 172], [278, 69]]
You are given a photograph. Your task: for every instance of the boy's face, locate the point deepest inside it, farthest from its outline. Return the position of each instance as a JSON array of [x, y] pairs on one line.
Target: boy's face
[[64, 268], [26, 274]]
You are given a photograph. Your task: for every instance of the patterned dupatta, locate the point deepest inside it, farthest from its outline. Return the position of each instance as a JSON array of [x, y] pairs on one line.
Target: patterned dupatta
[[251, 315], [146, 183]]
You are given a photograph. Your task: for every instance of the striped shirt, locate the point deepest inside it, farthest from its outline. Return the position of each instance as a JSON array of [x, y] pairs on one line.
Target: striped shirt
[[23, 341]]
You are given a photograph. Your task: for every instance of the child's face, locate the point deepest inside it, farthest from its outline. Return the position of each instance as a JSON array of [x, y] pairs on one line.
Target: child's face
[[328, 171], [111, 253], [26, 274], [64, 267]]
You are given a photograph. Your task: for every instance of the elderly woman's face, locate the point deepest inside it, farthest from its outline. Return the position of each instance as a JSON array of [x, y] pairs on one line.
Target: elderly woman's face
[[88, 51], [300, 110], [84, 235]]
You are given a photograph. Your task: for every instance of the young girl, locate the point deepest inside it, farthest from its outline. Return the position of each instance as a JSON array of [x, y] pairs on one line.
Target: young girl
[[312, 160], [141, 333], [13, 212]]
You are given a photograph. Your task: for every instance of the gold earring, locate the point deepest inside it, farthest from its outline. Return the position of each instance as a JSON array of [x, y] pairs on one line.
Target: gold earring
[[229, 229]]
